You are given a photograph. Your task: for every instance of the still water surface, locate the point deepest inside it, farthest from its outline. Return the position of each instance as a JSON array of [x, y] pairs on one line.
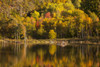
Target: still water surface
[[49, 56]]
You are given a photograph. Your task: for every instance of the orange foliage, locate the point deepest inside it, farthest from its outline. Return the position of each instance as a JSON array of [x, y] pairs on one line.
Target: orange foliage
[[37, 24], [48, 15]]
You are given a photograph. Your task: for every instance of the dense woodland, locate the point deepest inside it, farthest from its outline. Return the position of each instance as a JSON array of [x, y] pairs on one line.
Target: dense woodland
[[43, 19]]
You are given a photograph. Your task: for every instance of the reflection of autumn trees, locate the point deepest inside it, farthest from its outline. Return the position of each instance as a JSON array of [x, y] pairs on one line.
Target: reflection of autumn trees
[[71, 56], [52, 49], [51, 55]]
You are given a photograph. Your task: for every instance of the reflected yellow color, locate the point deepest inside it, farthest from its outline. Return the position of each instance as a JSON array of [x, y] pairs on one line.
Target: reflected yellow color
[[52, 49], [50, 56], [41, 53], [90, 63], [82, 64]]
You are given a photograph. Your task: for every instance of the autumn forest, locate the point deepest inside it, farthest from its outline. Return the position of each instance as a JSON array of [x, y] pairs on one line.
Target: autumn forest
[[49, 19]]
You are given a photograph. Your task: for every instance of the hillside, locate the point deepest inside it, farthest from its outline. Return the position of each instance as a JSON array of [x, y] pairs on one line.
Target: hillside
[[43, 19]]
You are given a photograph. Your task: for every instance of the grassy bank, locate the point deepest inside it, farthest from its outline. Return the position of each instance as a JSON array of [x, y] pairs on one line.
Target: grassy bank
[[53, 41], [29, 41]]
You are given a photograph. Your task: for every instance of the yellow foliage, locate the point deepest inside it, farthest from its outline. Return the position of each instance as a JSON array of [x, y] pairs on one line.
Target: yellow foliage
[[60, 22], [28, 19], [22, 18], [70, 11], [82, 18], [64, 24], [40, 31], [52, 34], [69, 6], [89, 20], [54, 14]]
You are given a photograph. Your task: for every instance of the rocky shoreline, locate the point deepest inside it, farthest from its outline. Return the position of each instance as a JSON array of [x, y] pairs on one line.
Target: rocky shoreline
[[54, 41]]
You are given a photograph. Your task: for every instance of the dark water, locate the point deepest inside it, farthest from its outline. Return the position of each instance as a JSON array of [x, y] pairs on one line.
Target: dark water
[[49, 56]]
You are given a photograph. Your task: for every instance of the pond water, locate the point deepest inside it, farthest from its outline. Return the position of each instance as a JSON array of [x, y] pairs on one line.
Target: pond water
[[49, 56]]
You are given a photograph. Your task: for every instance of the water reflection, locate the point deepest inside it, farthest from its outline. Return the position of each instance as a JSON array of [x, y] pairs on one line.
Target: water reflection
[[52, 49], [49, 56]]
